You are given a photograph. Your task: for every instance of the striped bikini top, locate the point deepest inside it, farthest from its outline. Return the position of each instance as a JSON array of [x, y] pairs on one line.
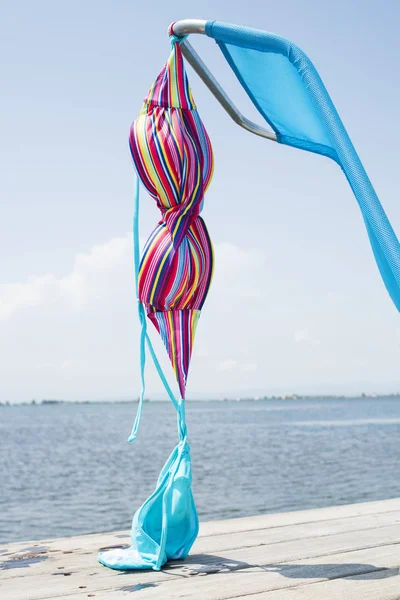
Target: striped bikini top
[[171, 148]]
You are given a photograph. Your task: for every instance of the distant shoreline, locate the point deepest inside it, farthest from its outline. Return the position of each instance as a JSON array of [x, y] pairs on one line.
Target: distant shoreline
[[362, 396]]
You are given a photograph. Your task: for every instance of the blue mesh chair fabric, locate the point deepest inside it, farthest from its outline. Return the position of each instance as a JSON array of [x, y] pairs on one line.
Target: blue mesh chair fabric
[[288, 92]]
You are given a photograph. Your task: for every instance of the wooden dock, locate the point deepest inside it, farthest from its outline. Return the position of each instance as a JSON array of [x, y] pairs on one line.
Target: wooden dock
[[340, 553]]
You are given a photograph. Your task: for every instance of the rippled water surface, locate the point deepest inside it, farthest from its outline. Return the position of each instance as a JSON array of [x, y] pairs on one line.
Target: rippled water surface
[[67, 469]]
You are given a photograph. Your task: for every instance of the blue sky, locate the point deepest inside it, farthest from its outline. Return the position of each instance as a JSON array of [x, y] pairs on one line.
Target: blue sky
[[297, 304]]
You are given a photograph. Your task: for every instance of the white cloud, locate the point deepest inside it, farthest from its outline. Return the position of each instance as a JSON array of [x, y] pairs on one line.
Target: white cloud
[[75, 335], [81, 326], [249, 367], [300, 336], [231, 258], [236, 271], [74, 291], [303, 337], [230, 364], [90, 277], [227, 365]]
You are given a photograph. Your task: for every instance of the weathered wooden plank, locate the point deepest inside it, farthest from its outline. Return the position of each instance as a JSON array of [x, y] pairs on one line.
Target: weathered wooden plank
[[92, 540], [95, 541], [235, 557], [84, 556], [243, 524], [300, 516], [381, 585], [301, 531], [318, 550], [252, 584]]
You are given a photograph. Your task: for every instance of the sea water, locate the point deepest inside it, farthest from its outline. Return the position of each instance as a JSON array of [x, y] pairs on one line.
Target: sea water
[[67, 469]]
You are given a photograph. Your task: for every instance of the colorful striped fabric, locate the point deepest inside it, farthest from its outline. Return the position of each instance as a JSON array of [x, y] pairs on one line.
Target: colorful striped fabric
[[173, 157]]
